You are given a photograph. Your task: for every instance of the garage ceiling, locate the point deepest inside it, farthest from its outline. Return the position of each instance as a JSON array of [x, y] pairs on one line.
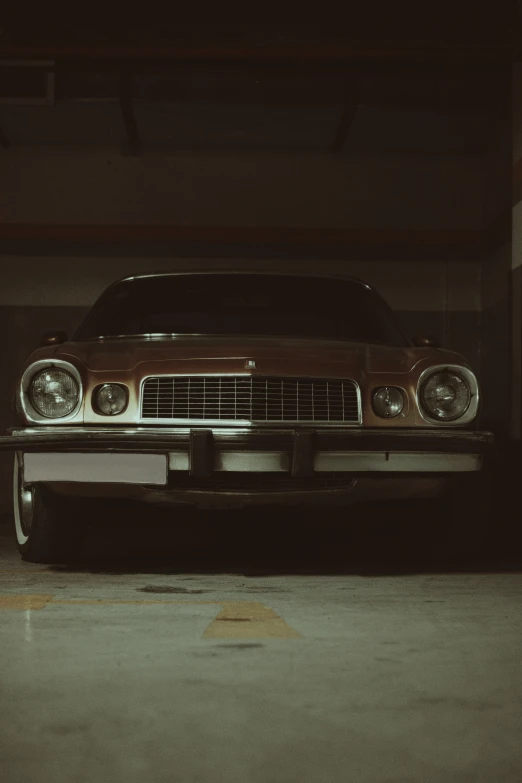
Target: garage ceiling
[[355, 110], [304, 79], [376, 80]]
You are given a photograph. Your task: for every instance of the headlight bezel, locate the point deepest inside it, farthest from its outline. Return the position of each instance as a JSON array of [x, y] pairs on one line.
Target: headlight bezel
[[24, 402], [95, 404], [465, 374]]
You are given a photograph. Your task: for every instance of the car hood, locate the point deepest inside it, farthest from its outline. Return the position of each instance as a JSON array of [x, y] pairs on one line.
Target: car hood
[[272, 355]]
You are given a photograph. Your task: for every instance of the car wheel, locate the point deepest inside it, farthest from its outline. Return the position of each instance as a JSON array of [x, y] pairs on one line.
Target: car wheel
[[46, 525]]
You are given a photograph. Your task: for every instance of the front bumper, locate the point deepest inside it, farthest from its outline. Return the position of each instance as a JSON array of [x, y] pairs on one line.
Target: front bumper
[[149, 455]]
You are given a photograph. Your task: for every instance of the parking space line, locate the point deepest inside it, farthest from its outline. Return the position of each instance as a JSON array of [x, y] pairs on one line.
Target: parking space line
[[24, 602], [130, 602], [27, 571], [236, 620], [249, 620]]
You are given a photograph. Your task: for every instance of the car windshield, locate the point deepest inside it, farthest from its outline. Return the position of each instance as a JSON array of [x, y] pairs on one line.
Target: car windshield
[[242, 304]]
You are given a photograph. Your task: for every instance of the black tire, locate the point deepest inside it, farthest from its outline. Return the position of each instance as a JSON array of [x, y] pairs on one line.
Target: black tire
[[48, 527]]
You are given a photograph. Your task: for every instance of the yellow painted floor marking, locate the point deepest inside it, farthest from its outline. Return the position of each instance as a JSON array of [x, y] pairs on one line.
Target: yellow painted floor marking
[[22, 602], [248, 620], [117, 601], [40, 601], [236, 620], [27, 571]]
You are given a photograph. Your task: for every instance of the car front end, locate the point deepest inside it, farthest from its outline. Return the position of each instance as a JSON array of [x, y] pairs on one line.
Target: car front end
[[220, 420]]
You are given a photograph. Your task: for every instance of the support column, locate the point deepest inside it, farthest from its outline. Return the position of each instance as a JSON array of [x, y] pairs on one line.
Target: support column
[[516, 259]]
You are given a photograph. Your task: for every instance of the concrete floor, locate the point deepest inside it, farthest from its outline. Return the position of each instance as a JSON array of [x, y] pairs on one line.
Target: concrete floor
[[148, 667]]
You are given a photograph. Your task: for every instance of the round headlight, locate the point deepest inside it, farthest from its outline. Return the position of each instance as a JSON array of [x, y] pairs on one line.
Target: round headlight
[[111, 399], [446, 396], [388, 402], [54, 393]]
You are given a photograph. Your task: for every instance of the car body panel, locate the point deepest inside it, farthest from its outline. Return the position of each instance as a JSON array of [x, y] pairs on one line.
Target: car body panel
[[130, 360]]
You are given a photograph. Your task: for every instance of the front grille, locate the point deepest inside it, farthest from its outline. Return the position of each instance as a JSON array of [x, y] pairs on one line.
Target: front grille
[[261, 482], [250, 398]]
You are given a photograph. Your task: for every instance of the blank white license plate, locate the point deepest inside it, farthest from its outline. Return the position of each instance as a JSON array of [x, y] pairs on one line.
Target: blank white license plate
[[108, 468]]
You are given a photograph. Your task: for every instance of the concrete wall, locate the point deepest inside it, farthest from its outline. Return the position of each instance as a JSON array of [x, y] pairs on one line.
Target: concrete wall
[[86, 185], [495, 339], [495, 335]]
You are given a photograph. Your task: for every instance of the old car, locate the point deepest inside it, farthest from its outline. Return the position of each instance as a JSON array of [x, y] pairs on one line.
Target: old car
[[234, 389]]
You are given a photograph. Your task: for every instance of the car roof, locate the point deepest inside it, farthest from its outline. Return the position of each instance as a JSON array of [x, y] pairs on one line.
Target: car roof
[[253, 272]]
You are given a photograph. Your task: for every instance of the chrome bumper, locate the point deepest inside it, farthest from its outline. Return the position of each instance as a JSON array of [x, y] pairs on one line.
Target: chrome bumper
[[148, 455]]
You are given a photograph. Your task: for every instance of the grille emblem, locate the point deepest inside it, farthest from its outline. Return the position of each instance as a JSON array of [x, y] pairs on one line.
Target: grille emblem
[[250, 364]]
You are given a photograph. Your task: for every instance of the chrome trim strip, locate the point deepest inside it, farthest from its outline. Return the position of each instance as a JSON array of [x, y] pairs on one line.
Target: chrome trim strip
[[236, 424], [253, 272], [469, 376], [151, 336], [245, 422], [119, 432], [23, 397], [217, 336]]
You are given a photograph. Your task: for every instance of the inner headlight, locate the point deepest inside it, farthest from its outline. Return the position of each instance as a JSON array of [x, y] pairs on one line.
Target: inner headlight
[[111, 399], [54, 393], [388, 402], [445, 396]]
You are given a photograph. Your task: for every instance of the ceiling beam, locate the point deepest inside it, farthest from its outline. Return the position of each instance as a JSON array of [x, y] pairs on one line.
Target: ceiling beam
[[292, 52], [231, 234], [239, 242]]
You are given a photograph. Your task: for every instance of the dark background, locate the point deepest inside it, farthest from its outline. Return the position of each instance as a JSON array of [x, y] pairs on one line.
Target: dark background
[[383, 143]]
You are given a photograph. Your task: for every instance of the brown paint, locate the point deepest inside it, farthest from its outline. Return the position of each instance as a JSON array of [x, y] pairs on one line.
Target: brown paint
[[129, 361]]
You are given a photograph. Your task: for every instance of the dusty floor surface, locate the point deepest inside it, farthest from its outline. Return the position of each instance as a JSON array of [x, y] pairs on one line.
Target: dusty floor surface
[[244, 654]]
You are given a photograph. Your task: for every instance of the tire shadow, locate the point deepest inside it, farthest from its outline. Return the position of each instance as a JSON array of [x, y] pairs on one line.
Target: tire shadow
[[370, 540]]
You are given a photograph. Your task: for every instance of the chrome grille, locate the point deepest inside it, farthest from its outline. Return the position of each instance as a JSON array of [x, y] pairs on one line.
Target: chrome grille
[[250, 398]]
